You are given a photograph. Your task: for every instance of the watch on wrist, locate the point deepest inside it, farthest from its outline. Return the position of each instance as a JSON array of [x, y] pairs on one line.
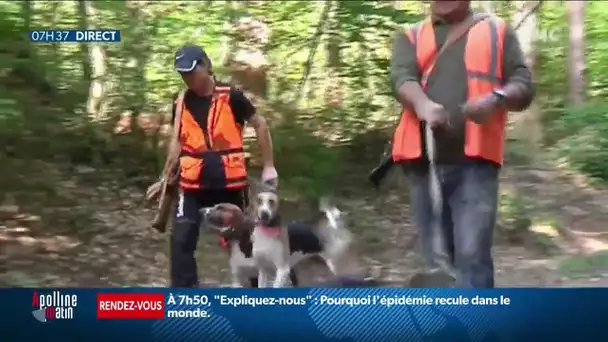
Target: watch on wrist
[[500, 95]]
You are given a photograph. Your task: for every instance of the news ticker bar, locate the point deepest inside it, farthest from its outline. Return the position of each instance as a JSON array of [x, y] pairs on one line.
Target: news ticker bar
[[161, 306], [306, 314], [74, 36]]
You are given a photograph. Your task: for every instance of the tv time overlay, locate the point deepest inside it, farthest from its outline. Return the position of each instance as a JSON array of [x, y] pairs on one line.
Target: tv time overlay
[[74, 36], [381, 314]]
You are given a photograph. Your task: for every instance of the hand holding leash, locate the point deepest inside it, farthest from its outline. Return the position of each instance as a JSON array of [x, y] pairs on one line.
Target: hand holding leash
[[433, 114]]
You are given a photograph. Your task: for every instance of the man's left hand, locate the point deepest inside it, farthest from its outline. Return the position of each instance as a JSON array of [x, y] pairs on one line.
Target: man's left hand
[[480, 110]]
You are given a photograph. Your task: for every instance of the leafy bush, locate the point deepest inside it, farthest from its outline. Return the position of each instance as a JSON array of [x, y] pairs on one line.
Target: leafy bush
[[584, 139], [514, 215], [305, 162]]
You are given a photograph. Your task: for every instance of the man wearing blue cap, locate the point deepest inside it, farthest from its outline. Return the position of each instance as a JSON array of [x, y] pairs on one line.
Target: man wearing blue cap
[[209, 118]]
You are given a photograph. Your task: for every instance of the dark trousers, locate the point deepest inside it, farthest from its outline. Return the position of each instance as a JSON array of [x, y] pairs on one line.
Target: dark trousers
[[470, 200], [186, 227]]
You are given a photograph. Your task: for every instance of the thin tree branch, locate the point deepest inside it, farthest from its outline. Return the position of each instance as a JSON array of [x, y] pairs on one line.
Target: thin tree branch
[[530, 12], [315, 44]]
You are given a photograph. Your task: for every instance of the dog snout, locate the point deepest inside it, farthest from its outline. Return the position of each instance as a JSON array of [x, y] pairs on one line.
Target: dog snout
[[211, 217], [264, 215], [205, 211]]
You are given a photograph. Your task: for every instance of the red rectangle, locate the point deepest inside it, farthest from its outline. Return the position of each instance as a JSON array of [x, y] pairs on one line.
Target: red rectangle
[[130, 306]]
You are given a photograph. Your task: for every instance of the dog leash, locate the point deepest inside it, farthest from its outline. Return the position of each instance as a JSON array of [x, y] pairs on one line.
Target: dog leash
[[439, 244]]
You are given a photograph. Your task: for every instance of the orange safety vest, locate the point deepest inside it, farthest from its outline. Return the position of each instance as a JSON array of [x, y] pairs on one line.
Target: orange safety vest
[[483, 62], [212, 157]]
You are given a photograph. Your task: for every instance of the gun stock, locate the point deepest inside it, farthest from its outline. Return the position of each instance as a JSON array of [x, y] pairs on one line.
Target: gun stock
[[380, 172], [165, 206]]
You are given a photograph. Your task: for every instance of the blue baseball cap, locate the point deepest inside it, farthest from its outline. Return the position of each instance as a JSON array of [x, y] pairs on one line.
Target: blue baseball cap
[[189, 56]]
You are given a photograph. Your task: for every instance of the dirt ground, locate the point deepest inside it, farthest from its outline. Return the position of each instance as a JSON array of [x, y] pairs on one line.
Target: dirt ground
[[102, 239]]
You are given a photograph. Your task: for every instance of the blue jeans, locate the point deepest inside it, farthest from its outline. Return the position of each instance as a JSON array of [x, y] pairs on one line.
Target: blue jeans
[[470, 200]]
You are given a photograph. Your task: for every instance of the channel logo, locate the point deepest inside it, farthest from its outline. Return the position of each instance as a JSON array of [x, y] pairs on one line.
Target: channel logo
[[53, 306]]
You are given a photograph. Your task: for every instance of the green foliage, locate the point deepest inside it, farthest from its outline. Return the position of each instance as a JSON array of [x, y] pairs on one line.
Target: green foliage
[[514, 214], [45, 87], [580, 266], [305, 163], [552, 53], [575, 135], [139, 78], [596, 54], [584, 142]]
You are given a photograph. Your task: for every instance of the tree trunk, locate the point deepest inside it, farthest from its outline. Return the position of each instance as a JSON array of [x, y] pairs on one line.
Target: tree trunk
[[334, 94], [142, 28], [55, 13], [95, 102], [84, 48], [527, 125], [26, 12], [576, 52]]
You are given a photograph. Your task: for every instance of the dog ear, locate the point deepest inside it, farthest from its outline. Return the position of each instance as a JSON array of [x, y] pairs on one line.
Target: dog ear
[[229, 207], [271, 185], [204, 223]]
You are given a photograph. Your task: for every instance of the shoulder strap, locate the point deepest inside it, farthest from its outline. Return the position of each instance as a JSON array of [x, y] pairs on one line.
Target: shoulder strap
[[456, 32]]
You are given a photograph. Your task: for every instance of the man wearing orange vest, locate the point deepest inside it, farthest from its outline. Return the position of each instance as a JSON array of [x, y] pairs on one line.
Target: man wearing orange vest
[[211, 161], [464, 95]]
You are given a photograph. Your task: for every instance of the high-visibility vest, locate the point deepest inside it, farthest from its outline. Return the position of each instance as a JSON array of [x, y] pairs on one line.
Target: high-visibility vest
[[212, 157], [483, 62]]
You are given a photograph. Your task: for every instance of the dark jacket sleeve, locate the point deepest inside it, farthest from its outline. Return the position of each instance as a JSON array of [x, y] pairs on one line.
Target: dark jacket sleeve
[[242, 108], [403, 66], [515, 69]]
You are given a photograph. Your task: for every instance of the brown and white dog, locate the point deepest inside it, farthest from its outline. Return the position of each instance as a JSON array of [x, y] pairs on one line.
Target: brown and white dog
[[277, 247], [270, 238], [266, 248], [234, 228]]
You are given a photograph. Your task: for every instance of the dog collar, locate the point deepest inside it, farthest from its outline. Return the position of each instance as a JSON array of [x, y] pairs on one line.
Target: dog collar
[[273, 228], [223, 242], [271, 231]]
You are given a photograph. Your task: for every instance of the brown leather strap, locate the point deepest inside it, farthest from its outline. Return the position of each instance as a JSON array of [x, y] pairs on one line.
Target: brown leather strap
[[179, 106], [456, 32], [174, 146]]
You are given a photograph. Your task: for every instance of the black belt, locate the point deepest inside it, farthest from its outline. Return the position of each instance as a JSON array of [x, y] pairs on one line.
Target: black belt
[[220, 152]]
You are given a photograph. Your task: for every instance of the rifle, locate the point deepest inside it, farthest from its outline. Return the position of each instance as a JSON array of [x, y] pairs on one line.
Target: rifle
[[166, 188], [381, 171]]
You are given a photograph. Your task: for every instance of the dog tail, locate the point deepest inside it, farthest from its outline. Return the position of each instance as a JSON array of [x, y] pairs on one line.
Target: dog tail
[[332, 213], [324, 204]]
